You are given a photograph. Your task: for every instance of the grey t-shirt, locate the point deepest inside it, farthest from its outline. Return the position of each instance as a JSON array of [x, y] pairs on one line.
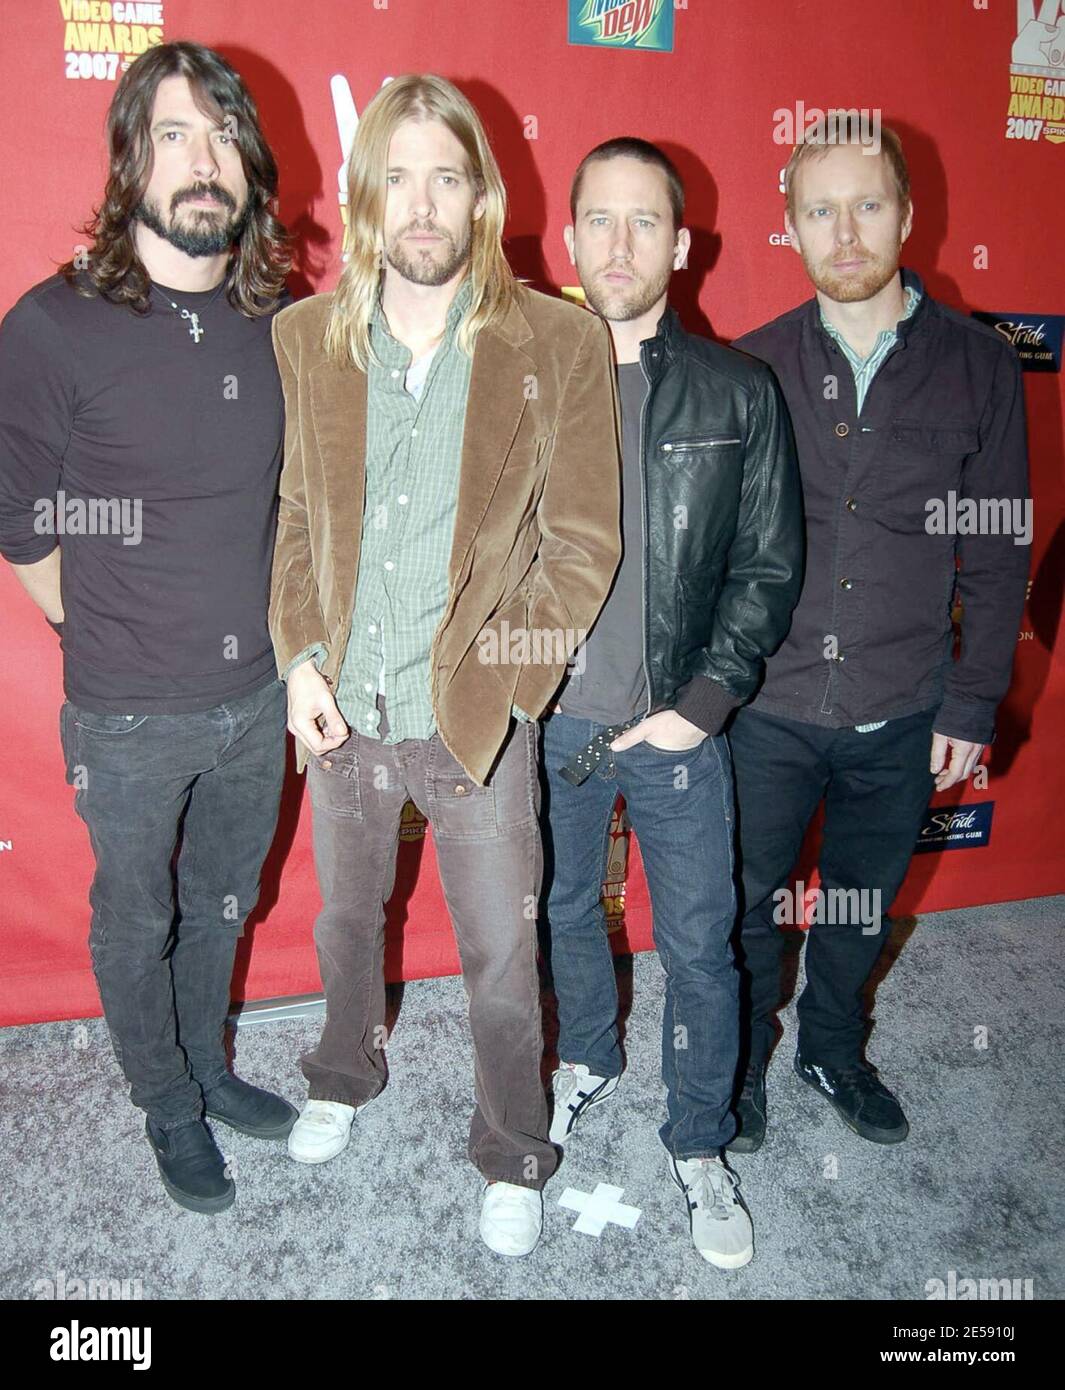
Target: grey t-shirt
[[613, 687]]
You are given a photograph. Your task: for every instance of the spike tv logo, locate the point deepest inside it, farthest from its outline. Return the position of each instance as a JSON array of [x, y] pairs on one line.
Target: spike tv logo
[[1037, 73]]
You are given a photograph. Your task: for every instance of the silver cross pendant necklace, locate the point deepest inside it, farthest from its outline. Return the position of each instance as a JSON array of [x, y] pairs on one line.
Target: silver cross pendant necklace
[[196, 332]]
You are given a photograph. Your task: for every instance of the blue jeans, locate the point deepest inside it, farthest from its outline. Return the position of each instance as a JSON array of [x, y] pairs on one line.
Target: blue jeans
[[163, 958], [680, 804]]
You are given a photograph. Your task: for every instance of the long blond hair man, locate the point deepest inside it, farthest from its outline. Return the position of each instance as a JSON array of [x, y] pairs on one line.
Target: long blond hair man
[[448, 531]]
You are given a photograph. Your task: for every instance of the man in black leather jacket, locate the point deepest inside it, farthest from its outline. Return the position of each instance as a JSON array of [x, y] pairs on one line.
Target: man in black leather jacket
[[712, 536]]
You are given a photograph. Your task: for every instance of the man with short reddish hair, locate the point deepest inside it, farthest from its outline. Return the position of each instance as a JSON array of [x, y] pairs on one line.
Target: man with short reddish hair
[[898, 402]]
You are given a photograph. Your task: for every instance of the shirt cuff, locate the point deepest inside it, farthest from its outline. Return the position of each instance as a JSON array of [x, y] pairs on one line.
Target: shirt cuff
[[705, 703], [317, 651], [520, 715]]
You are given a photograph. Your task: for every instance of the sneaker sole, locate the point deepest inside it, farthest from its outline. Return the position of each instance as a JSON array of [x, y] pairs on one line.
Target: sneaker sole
[[589, 1105], [870, 1132], [510, 1254], [319, 1158], [206, 1206], [728, 1261], [737, 1261], [277, 1133]]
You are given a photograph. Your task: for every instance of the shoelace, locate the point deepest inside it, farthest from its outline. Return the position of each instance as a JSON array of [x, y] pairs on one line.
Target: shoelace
[[565, 1082], [713, 1190]]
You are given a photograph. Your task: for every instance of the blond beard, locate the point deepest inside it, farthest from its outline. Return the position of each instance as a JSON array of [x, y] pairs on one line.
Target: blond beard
[[424, 269], [853, 289]]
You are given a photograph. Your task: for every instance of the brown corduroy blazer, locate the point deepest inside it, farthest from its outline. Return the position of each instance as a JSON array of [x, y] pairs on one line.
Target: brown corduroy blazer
[[537, 528]]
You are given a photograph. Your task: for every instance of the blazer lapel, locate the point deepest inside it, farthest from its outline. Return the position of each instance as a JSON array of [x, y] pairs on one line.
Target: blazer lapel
[[338, 410], [499, 381]]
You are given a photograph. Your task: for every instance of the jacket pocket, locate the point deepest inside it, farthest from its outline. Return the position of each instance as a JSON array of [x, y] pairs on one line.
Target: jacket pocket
[[958, 439], [697, 443]]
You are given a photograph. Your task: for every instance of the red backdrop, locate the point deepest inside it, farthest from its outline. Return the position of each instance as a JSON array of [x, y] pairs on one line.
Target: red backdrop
[[987, 204]]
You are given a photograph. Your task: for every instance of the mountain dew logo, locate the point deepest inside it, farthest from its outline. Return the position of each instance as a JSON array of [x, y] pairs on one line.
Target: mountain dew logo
[[622, 23]]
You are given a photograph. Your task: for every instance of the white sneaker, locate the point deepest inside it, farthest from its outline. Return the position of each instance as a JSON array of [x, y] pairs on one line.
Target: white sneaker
[[576, 1090], [512, 1218], [720, 1225], [322, 1130]]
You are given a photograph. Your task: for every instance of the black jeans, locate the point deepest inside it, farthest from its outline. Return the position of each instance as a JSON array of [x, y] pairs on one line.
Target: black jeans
[[876, 787], [214, 776]]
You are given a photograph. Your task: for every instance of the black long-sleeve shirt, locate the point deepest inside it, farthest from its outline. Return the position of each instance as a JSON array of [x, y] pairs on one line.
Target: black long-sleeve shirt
[[942, 425], [167, 450]]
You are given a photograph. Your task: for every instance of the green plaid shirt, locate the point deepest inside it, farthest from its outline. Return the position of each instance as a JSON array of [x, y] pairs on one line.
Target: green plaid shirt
[[413, 453]]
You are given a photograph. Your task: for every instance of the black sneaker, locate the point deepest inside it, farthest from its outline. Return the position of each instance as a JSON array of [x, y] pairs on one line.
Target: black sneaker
[[859, 1098], [249, 1109], [192, 1169], [750, 1112]]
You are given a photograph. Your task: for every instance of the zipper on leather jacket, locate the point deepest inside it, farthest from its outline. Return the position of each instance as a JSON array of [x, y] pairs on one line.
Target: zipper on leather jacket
[[679, 444], [643, 514]]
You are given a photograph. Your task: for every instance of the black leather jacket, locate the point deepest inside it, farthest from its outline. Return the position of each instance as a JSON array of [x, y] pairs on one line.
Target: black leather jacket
[[723, 524]]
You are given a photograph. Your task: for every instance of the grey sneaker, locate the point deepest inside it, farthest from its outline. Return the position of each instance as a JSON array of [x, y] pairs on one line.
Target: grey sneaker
[[720, 1224], [576, 1090]]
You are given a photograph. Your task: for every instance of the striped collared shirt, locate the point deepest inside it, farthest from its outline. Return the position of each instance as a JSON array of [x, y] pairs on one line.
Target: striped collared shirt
[[865, 368]]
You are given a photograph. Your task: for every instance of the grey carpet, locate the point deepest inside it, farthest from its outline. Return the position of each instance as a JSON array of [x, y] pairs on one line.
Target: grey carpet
[[977, 1188]]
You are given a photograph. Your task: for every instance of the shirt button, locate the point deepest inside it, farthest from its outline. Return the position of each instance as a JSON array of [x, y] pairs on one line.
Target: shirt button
[[843, 429], [372, 629], [460, 789], [389, 565], [403, 499], [413, 432], [852, 505], [326, 764], [368, 688], [395, 373], [845, 584]]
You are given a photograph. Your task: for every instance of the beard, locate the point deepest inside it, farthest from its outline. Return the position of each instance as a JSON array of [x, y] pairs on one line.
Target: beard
[[203, 231], [877, 272], [422, 267], [620, 303]]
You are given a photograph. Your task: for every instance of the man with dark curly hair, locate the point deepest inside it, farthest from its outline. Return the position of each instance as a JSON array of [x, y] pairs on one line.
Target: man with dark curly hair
[[141, 433]]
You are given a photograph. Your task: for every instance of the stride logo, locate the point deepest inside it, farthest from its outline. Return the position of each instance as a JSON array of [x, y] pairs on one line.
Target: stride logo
[[956, 827]]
